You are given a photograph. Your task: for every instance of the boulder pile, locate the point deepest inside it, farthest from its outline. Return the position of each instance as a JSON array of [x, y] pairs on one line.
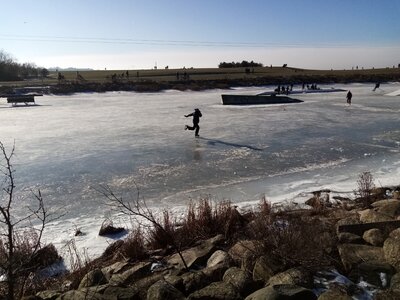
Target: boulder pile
[[361, 245]]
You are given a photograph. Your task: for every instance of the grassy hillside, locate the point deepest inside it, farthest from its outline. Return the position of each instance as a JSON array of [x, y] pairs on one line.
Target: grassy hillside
[[221, 74]]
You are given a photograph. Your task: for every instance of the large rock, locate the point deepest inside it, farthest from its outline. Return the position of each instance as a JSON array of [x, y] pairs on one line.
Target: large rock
[[121, 293], [372, 216], [216, 291], [196, 256], [297, 276], [391, 248], [349, 238], [352, 254], [99, 289], [118, 267], [334, 294], [217, 264], [162, 290], [82, 295], [139, 270], [282, 291], [142, 285], [219, 257], [241, 280], [48, 295], [384, 202], [93, 278], [174, 280], [387, 295], [374, 237], [244, 250], [192, 281], [395, 282], [265, 267], [390, 208]]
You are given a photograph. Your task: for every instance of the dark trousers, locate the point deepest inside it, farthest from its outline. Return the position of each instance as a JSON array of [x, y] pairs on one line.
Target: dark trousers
[[195, 126]]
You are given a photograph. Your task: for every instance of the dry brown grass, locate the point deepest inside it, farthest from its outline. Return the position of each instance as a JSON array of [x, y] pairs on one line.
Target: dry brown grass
[[160, 236], [294, 238], [134, 246], [28, 263], [206, 219]]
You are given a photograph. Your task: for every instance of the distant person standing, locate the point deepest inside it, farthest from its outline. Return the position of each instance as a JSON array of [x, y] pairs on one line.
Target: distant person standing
[[348, 97], [196, 120]]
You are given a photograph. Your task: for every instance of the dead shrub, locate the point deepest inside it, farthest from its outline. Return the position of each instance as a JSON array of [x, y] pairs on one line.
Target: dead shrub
[[24, 242], [133, 247], [30, 262], [44, 257], [203, 220], [24, 254], [160, 236], [264, 207], [365, 185], [207, 219], [80, 264], [293, 239], [112, 250]]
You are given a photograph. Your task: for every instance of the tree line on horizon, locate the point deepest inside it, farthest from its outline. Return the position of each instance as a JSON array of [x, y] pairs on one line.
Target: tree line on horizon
[[10, 70], [243, 64]]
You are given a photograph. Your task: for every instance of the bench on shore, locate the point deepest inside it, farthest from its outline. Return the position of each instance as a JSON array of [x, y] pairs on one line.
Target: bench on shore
[[26, 99]]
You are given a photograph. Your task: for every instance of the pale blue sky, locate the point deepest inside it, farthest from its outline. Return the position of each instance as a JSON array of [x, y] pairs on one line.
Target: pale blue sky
[[139, 34]]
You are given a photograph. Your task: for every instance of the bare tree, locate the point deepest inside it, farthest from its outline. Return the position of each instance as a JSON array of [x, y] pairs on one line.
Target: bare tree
[[20, 241], [365, 184], [138, 209]]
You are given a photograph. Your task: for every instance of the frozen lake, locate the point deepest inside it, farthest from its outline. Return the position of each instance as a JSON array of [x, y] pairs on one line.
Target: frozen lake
[[70, 145]]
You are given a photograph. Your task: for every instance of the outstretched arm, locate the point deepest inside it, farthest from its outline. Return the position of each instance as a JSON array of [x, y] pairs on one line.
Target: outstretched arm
[[189, 115]]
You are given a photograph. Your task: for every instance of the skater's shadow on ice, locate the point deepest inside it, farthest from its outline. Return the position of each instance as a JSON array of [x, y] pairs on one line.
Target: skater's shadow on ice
[[214, 142]]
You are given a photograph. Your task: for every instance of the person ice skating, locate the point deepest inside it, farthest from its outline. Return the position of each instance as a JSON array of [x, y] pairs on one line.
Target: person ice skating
[[377, 85], [348, 97], [196, 119]]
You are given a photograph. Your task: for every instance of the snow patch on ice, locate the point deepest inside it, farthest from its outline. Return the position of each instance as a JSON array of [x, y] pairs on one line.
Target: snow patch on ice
[[395, 93]]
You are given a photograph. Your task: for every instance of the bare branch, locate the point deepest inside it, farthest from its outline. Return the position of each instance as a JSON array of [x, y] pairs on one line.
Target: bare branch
[[138, 208], [14, 240]]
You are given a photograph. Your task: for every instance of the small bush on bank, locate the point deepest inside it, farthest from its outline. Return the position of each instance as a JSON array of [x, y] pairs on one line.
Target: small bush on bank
[[207, 219], [160, 235], [203, 220], [295, 239], [30, 262], [365, 184], [133, 247]]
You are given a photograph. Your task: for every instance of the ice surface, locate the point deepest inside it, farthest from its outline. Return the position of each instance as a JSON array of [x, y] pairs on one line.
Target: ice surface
[[68, 146]]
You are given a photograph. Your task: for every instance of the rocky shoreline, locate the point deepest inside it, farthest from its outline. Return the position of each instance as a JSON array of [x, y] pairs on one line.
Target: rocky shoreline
[[339, 248]]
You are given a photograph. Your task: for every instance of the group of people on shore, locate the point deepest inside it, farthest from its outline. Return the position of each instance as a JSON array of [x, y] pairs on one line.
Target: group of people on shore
[[284, 90]]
